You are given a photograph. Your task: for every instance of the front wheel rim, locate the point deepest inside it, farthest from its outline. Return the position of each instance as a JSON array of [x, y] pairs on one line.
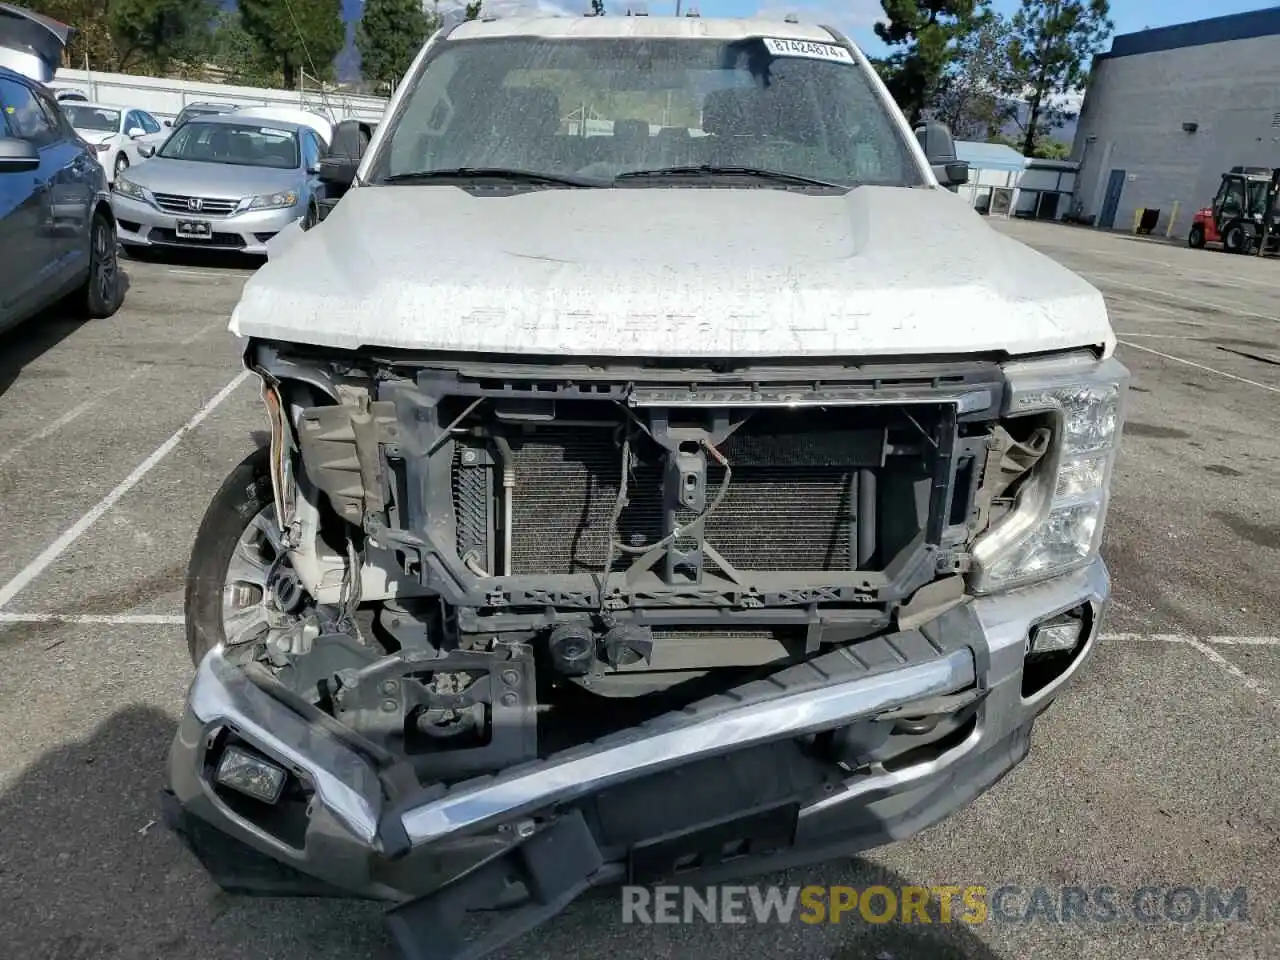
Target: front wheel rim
[[259, 578], [104, 262]]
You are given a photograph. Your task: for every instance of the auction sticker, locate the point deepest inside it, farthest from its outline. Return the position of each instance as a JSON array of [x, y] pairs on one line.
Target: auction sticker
[[807, 48]]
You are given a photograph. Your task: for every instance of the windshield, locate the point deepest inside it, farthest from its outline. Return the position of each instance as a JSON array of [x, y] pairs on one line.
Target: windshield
[[241, 144], [599, 108], [92, 118], [1258, 197]]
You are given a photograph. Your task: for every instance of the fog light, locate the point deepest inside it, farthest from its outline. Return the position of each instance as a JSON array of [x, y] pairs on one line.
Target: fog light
[[1063, 632], [250, 774]]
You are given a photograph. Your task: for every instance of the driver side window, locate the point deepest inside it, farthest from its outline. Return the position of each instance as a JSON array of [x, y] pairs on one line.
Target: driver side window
[[1232, 194]]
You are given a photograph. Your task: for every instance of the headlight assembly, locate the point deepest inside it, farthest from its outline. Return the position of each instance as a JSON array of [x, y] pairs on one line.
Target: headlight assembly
[[1056, 524], [128, 188], [270, 201]]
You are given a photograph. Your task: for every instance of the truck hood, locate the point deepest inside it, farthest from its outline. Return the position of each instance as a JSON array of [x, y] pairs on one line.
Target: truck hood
[[666, 272]]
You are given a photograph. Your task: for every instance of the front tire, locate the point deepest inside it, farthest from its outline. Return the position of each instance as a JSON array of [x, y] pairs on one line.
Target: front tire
[[1195, 239], [219, 606], [121, 165], [103, 290], [1233, 238]]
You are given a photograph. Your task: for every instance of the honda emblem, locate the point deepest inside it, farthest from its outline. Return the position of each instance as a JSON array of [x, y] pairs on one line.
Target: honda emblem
[[195, 203]]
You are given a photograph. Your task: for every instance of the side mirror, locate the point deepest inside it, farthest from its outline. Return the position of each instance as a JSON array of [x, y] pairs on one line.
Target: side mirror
[[338, 171], [940, 149], [146, 150], [18, 156], [955, 173], [136, 132], [167, 123]]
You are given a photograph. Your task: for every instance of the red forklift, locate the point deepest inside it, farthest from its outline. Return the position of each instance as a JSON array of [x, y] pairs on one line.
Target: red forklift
[[1245, 214]]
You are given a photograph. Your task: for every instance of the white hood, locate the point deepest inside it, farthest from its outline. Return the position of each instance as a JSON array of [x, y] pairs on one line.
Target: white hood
[[657, 272]]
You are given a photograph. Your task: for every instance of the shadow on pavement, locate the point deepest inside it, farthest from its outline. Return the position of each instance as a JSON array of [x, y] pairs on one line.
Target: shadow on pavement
[[220, 259], [35, 336], [87, 872]]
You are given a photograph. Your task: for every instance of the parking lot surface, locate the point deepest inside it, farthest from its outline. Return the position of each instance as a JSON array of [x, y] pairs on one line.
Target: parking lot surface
[[1157, 767]]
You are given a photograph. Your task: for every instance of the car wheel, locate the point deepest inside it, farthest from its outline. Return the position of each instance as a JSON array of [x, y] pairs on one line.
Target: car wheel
[[239, 579], [103, 290], [122, 164], [1195, 238], [311, 217]]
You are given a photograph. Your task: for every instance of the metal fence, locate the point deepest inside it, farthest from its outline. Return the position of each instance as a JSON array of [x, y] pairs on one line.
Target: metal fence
[[165, 97]]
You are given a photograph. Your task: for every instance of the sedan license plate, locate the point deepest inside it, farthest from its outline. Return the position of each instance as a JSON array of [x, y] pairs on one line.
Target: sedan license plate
[[195, 229]]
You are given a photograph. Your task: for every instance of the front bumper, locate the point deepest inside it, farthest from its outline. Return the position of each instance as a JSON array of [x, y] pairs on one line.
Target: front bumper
[[140, 224], [364, 836]]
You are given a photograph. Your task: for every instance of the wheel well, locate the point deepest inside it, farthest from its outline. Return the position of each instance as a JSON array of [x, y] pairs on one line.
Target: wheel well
[[104, 208]]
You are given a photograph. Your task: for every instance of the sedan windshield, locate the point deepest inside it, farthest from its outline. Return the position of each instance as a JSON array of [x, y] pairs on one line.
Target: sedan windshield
[[240, 144], [678, 109], [92, 118]]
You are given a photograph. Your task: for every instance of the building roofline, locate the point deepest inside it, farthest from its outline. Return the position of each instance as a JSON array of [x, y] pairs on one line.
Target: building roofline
[[1199, 33]]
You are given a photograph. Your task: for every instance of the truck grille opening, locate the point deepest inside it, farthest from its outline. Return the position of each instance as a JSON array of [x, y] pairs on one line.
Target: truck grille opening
[[810, 491]]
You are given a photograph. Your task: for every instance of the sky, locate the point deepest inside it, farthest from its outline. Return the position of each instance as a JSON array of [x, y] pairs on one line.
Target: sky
[[858, 17]]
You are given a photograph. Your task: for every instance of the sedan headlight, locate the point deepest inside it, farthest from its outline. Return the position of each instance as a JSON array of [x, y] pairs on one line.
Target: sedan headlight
[[1056, 525], [128, 188], [270, 201]]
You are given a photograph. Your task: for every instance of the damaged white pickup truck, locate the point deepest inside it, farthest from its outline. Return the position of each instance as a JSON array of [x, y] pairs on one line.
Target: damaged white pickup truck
[[668, 477]]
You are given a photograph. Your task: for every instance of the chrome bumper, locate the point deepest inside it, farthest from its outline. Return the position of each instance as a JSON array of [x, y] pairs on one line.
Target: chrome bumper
[[351, 819]]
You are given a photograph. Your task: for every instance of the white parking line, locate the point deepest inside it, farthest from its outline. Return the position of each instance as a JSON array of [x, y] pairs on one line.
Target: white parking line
[[127, 619], [1236, 311], [1205, 645], [77, 529], [84, 407], [1200, 366]]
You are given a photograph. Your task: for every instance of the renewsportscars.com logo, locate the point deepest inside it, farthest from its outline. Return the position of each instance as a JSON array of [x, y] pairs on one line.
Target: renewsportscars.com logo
[[970, 904]]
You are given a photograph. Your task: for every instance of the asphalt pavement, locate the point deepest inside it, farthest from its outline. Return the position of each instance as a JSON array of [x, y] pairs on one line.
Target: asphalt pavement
[[1156, 769]]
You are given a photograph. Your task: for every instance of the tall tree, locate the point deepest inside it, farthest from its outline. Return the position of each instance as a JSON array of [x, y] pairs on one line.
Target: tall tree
[[389, 36], [156, 35], [974, 96], [922, 34], [135, 36], [472, 11], [297, 35], [1054, 43], [241, 56], [597, 8]]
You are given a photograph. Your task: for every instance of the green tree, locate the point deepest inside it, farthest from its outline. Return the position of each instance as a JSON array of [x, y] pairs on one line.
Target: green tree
[[1054, 43], [973, 96], [1045, 147], [296, 35], [244, 60], [597, 7], [923, 34], [157, 34], [389, 36], [472, 11]]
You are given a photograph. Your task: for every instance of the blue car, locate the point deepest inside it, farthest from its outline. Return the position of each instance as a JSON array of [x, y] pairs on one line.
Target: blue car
[[57, 230]]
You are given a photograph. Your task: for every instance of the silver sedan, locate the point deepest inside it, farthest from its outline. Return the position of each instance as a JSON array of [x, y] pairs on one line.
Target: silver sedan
[[221, 183]]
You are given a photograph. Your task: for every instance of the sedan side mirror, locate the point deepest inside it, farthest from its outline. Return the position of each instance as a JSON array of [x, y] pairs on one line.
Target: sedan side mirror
[[146, 150], [136, 132], [18, 156]]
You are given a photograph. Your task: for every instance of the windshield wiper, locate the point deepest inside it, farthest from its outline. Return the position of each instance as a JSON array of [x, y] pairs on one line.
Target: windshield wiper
[[498, 173], [711, 169]]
